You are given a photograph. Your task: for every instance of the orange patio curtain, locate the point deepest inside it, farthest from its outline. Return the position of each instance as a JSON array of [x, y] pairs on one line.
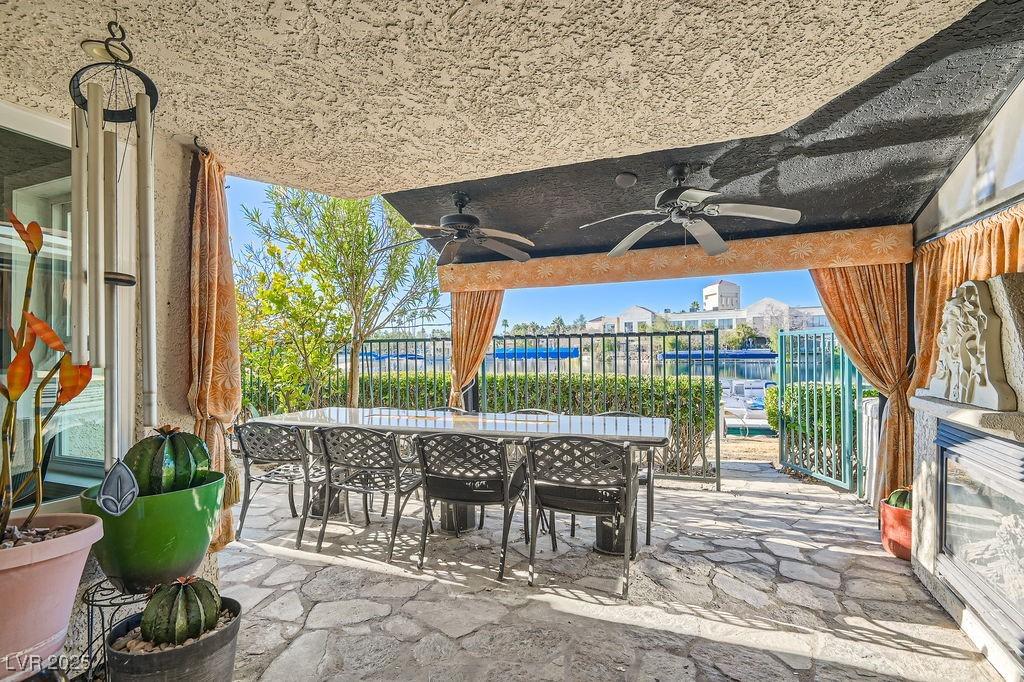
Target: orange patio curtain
[[992, 246], [215, 394], [867, 307], [474, 316]]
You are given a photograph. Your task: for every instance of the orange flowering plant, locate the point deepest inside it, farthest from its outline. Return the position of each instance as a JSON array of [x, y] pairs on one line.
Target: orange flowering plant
[[72, 380]]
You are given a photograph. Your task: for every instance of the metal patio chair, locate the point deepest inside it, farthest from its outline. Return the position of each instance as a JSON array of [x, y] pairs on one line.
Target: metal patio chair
[[284, 449], [586, 476], [646, 477], [365, 461], [455, 410], [472, 470]]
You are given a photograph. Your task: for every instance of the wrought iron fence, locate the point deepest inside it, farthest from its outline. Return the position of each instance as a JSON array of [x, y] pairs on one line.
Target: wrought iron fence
[[655, 374]]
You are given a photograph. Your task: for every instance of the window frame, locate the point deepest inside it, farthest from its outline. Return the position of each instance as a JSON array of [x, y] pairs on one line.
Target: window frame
[[64, 470]]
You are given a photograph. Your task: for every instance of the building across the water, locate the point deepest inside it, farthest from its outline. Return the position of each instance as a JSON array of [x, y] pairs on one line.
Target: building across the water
[[721, 309]]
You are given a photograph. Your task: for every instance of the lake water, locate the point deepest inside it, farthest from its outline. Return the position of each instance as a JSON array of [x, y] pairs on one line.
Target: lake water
[[763, 370]]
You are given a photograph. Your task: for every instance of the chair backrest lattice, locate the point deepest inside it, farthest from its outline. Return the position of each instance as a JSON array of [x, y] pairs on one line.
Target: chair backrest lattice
[[358, 448], [263, 442], [462, 456], [578, 461]]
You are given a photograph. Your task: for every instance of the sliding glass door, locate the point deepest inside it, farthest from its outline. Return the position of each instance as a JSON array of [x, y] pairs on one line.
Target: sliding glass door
[[35, 183]]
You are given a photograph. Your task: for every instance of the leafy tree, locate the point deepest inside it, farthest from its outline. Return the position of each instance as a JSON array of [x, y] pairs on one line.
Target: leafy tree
[[739, 337], [578, 325], [694, 306], [773, 338], [524, 328], [708, 325], [504, 327], [661, 324], [557, 325], [333, 272]]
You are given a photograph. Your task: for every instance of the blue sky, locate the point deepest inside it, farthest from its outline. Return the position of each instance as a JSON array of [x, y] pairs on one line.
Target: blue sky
[[593, 300]]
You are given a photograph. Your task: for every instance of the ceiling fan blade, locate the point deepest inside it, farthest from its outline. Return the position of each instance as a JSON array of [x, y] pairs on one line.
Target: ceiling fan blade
[[706, 236], [505, 250], [400, 244], [448, 253], [697, 196], [622, 215], [502, 234], [773, 213], [633, 237], [430, 228]]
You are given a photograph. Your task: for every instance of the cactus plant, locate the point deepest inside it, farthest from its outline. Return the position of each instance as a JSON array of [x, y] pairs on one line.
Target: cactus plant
[[182, 610], [169, 460], [901, 498]]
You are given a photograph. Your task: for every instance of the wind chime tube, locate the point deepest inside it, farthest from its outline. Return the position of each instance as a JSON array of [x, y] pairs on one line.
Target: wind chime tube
[[79, 240], [111, 381], [147, 257], [94, 274]]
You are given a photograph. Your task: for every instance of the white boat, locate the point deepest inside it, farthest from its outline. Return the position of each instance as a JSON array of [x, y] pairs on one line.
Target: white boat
[[743, 408]]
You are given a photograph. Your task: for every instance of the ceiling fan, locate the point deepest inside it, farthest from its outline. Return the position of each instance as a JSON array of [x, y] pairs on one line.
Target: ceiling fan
[[685, 206], [456, 229]]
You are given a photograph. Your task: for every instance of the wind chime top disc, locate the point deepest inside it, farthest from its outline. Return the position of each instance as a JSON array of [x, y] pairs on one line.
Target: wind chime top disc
[[121, 80]]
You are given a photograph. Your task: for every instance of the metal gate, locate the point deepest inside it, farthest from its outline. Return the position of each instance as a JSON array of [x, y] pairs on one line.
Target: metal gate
[[819, 394]]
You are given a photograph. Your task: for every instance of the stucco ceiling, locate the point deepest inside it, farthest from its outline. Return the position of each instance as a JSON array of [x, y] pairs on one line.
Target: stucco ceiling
[[872, 156], [352, 98]]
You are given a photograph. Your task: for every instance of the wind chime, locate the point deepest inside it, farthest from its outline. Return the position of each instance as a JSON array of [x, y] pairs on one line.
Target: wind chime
[[118, 94]]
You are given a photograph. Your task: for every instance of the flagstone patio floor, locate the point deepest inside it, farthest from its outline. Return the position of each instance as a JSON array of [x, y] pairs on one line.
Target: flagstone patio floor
[[770, 579]]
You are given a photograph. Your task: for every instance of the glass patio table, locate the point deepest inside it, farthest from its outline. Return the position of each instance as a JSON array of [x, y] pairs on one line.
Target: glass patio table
[[641, 432]]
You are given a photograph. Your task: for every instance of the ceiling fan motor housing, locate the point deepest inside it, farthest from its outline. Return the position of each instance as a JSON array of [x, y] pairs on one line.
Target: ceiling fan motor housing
[[460, 221]]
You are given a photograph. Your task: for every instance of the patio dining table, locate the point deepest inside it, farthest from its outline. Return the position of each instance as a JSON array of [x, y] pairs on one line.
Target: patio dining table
[[642, 432]]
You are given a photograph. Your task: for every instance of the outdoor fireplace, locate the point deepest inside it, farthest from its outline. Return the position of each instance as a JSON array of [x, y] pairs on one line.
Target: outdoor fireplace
[[968, 534], [981, 526]]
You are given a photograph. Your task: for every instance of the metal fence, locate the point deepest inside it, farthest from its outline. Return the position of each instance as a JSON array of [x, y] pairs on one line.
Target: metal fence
[[819, 396], [669, 374]]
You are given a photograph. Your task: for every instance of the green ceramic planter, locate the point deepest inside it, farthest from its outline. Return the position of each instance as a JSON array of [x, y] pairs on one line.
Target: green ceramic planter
[[160, 538]]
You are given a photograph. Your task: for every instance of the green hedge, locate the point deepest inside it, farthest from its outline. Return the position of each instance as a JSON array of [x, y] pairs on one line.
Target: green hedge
[[689, 403], [673, 397], [811, 409]]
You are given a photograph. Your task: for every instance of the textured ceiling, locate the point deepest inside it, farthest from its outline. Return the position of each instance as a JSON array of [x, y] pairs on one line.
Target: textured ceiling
[[871, 156], [359, 97]]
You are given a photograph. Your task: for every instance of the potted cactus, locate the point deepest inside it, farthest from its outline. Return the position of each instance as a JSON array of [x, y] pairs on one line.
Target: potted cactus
[[896, 521], [167, 530], [186, 632], [41, 555]]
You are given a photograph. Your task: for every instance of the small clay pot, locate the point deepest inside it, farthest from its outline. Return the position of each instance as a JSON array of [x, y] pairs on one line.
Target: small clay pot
[[210, 659], [896, 530]]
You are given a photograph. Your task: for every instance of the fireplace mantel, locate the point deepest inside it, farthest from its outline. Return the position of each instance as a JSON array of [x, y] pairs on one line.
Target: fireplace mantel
[[1002, 424]]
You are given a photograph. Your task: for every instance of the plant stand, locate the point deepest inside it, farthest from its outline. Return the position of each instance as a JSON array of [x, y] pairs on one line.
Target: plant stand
[[106, 606]]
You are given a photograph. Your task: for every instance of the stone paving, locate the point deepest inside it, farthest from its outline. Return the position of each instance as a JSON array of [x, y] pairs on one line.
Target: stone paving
[[771, 579]]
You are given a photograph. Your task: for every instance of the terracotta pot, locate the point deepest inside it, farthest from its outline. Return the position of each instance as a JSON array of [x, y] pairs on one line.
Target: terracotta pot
[[896, 530], [211, 659], [39, 583], [160, 537]]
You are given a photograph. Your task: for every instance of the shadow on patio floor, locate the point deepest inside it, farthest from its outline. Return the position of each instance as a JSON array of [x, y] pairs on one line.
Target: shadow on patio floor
[[769, 579]]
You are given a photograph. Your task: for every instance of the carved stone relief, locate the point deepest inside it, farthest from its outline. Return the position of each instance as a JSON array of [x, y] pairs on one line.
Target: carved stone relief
[[969, 368]]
